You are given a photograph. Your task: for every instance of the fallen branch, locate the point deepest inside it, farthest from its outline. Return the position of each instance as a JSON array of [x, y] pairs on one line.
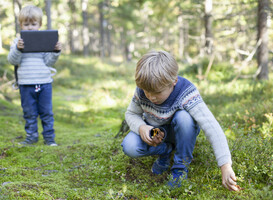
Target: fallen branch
[[209, 66], [7, 83], [245, 62], [254, 76]]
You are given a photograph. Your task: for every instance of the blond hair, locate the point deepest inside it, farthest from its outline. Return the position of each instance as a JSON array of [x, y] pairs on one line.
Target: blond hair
[[31, 13], [155, 71]]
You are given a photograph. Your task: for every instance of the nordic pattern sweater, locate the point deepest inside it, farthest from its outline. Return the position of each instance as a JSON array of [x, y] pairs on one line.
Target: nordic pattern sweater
[[33, 68], [185, 96]]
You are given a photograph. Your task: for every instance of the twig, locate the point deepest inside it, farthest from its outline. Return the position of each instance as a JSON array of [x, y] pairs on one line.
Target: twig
[[5, 75], [252, 75], [209, 66], [249, 58], [7, 83]]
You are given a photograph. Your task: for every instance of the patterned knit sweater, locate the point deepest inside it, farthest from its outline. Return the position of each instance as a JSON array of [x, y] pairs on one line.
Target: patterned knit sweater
[[34, 68], [185, 96]]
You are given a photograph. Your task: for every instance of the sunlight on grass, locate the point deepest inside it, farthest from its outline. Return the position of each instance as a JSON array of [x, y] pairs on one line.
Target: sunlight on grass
[[108, 94], [217, 89], [64, 73], [88, 61], [230, 134], [267, 127], [78, 107]]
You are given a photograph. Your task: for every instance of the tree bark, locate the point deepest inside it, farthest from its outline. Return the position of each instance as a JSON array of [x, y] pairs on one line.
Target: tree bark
[[107, 28], [102, 25], [17, 6], [109, 43], [72, 25], [123, 35], [0, 39], [208, 26], [85, 31], [48, 13], [181, 37], [262, 57]]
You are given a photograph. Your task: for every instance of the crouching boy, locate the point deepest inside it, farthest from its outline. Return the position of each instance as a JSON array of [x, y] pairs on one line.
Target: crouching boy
[[164, 99]]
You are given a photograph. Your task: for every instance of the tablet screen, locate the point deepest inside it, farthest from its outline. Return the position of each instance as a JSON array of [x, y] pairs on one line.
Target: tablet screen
[[39, 41]]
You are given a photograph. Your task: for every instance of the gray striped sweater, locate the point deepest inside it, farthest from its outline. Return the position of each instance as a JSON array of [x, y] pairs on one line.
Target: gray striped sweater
[[184, 96], [34, 68]]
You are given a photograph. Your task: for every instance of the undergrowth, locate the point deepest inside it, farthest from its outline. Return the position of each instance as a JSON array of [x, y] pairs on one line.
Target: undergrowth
[[89, 101]]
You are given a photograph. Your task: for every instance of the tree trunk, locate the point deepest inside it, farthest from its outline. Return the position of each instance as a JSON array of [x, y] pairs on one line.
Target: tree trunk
[[0, 40], [123, 44], [17, 5], [109, 43], [93, 49], [107, 29], [181, 37], [48, 13], [208, 26], [262, 57], [127, 55], [85, 31], [102, 25], [72, 26]]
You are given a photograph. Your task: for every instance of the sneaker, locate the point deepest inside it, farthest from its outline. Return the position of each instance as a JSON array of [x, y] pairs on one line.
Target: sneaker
[[28, 141], [51, 143], [178, 175], [163, 162]]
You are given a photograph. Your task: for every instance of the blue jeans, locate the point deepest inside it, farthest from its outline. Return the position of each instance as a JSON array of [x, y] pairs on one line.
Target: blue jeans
[[182, 133], [34, 104]]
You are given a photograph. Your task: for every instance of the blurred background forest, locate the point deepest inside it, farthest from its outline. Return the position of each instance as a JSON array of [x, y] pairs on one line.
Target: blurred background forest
[[239, 32]]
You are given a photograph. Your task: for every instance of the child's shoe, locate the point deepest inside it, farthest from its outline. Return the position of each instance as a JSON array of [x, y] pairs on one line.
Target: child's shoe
[[51, 143], [29, 141], [163, 162], [178, 175]]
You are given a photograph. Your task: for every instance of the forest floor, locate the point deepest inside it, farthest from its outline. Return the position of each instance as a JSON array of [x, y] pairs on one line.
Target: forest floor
[[89, 101]]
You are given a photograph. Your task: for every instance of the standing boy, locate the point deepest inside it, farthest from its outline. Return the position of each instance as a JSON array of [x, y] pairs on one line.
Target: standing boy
[[34, 79], [164, 99]]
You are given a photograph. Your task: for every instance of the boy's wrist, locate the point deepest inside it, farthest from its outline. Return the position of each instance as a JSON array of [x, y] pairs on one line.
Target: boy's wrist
[[21, 50], [225, 166]]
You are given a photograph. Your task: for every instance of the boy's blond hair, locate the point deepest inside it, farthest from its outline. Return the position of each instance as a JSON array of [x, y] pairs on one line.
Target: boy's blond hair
[[31, 13], [155, 71]]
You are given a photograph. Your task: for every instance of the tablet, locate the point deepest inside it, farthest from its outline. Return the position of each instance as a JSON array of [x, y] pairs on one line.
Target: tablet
[[39, 41]]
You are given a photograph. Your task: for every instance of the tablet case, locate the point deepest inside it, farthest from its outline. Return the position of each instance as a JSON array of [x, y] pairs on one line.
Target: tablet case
[[39, 41]]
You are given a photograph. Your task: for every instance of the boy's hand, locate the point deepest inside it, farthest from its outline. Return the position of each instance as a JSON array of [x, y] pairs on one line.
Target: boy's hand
[[229, 178], [157, 136], [58, 47], [144, 132], [20, 44]]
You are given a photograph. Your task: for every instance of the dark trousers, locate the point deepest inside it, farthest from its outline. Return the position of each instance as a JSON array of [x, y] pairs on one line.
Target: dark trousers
[[36, 100], [182, 132]]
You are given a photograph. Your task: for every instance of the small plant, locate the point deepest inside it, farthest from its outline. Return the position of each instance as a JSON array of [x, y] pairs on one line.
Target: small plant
[[267, 127]]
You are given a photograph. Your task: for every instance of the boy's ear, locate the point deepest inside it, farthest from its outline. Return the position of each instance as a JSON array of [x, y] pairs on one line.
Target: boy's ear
[[174, 83]]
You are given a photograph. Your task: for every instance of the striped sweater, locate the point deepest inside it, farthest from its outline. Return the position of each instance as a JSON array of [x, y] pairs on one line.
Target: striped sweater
[[34, 68], [185, 96]]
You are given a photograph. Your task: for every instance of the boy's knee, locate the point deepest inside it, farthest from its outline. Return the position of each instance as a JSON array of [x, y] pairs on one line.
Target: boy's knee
[[184, 123], [47, 117], [129, 150], [129, 146], [182, 116]]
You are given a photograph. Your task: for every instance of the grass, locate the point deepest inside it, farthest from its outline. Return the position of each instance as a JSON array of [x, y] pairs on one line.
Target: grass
[[89, 101]]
